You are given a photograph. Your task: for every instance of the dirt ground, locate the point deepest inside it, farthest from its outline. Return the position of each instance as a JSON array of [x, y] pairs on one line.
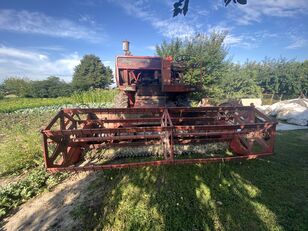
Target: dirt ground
[[50, 210]]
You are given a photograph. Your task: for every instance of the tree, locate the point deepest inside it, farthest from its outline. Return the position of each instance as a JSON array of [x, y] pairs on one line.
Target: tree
[[170, 49], [17, 86], [303, 78], [1, 92], [239, 82], [181, 6], [91, 73], [204, 58], [282, 77], [52, 87]]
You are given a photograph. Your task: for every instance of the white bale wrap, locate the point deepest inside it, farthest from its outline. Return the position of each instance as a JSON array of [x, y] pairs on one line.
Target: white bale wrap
[[294, 111]]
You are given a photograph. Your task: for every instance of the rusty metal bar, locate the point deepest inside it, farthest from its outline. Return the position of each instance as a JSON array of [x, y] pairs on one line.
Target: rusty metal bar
[[136, 127], [151, 110], [156, 163], [100, 139]]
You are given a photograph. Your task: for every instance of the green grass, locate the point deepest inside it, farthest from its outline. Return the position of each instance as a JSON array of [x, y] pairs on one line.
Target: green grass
[[20, 138], [93, 96], [14, 104], [263, 194], [20, 141]]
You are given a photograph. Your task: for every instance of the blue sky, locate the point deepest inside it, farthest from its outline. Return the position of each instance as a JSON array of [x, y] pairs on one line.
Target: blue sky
[[42, 38]]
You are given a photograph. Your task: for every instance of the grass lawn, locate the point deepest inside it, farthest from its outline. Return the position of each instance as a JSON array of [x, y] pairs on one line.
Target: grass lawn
[[264, 194]]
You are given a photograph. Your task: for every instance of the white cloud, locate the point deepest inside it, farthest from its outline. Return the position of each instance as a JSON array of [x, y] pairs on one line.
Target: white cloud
[[172, 28], [254, 11], [107, 62], [38, 23], [36, 65], [21, 54], [297, 43], [47, 48], [87, 19], [152, 48], [231, 39]]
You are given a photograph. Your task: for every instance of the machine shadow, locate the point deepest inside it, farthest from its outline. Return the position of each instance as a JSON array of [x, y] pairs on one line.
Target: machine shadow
[[182, 197], [281, 181]]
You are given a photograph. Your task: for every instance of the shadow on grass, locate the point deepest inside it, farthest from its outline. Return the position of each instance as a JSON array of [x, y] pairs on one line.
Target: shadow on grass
[[177, 198], [264, 194]]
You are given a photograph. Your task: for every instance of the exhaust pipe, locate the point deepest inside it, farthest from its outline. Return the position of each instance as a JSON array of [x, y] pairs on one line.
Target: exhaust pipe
[[125, 46]]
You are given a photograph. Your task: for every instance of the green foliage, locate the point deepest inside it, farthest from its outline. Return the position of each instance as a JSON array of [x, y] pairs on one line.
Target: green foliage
[[204, 58], [239, 82], [20, 140], [34, 183], [207, 68], [86, 97], [91, 73], [94, 96], [14, 104], [20, 150], [52, 87], [173, 48], [17, 86], [283, 77], [2, 92]]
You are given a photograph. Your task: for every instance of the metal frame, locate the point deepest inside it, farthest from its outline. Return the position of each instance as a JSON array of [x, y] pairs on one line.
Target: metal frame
[[72, 132]]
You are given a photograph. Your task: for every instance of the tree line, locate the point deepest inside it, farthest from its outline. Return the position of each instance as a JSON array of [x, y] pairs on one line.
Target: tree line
[[91, 73], [206, 62]]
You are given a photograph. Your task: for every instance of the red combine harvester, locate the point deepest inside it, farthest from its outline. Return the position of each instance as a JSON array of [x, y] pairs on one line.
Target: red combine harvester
[[152, 110]]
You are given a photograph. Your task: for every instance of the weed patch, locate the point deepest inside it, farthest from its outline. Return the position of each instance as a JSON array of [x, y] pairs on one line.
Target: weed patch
[[12, 195]]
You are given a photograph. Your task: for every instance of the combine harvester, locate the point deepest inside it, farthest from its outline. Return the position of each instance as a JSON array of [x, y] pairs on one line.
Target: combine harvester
[[152, 110]]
